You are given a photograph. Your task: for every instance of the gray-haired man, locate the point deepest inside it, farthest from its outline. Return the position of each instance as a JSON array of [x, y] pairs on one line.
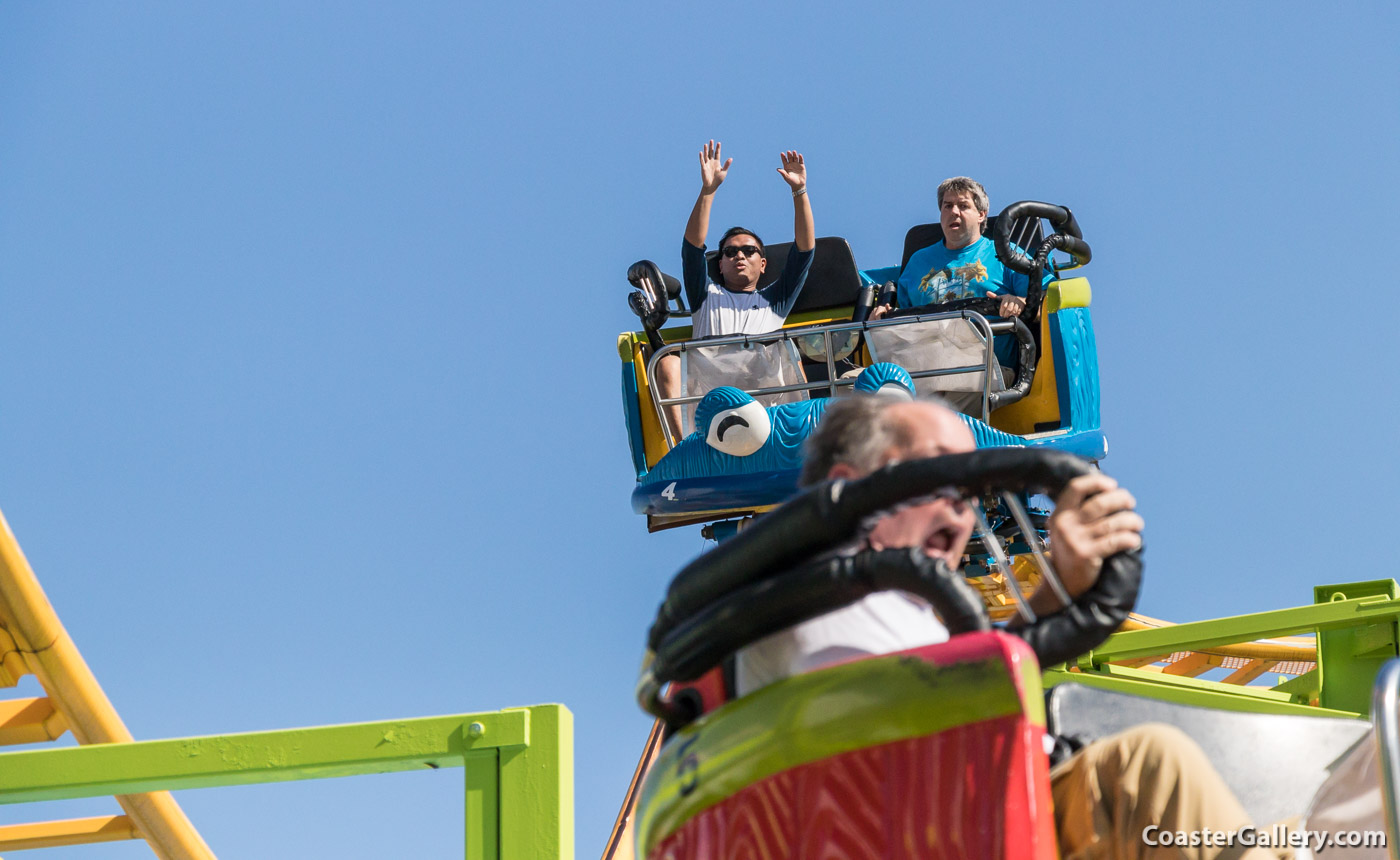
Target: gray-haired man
[[1107, 794]]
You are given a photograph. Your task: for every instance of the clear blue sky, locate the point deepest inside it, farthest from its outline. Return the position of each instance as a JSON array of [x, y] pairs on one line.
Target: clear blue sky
[[309, 397]]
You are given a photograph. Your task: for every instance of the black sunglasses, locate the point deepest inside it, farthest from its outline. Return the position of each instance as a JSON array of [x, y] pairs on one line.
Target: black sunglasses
[[732, 251]]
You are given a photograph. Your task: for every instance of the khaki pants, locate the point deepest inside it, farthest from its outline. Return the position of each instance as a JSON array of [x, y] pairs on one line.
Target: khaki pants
[[1108, 793]]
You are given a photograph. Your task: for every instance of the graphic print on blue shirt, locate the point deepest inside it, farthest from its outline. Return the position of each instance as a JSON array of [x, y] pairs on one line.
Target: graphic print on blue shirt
[[936, 274], [958, 282]]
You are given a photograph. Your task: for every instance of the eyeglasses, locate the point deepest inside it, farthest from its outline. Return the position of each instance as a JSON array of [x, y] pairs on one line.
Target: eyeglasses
[[732, 251]]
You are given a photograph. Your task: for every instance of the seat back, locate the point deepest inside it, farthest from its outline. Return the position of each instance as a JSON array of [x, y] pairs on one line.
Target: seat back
[[832, 282], [938, 748]]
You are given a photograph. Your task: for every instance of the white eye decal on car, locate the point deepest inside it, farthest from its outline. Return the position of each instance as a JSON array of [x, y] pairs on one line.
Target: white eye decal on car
[[741, 430]]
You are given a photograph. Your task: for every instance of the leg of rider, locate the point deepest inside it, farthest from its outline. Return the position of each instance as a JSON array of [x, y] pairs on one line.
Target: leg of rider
[[1114, 789], [668, 381]]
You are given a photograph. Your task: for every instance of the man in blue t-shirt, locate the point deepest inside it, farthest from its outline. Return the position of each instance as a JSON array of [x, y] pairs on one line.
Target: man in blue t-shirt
[[964, 265], [737, 305]]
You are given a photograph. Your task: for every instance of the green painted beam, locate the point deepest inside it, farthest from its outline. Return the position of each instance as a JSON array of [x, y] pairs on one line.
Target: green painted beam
[[1189, 691], [1200, 635], [483, 820], [518, 767], [255, 757], [1304, 687], [537, 788]]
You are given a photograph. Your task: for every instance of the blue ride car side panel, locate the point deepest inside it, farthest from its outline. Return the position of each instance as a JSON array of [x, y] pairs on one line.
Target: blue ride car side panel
[[633, 418], [1091, 444], [718, 493], [880, 275], [678, 493], [696, 476], [990, 437], [1077, 368], [792, 424]]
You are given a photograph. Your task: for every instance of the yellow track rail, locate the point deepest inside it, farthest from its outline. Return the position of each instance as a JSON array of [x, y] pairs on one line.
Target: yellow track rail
[[33, 641]]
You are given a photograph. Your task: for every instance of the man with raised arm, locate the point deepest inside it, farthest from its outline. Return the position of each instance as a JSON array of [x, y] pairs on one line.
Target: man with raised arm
[[1108, 793], [737, 305]]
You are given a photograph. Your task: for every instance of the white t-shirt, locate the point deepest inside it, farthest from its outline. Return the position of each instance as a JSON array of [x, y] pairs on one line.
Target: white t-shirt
[[718, 311], [879, 623], [727, 312]]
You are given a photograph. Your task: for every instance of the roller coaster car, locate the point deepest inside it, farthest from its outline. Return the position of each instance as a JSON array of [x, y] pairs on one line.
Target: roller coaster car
[[941, 751], [684, 476]]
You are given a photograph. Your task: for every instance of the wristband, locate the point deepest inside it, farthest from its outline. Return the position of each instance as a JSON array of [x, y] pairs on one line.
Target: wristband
[[799, 192]]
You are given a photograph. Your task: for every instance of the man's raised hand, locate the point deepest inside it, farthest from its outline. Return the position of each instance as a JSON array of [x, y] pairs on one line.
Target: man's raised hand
[[712, 173], [794, 170]]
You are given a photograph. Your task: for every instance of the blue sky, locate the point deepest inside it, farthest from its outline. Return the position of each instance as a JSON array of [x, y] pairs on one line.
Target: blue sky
[[309, 392]]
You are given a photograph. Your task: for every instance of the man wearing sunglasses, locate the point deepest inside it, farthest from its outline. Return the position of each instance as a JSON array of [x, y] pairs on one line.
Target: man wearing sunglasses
[[1104, 796], [737, 305]]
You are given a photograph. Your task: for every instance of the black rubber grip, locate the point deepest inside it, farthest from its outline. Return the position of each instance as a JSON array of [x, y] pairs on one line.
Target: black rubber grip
[[830, 514], [748, 614], [1086, 623]]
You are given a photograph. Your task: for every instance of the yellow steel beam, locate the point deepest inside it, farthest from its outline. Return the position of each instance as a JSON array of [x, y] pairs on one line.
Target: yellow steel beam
[[73, 831], [1193, 664], [29, 721], [1249, 671], [12, 665], [49, 651]]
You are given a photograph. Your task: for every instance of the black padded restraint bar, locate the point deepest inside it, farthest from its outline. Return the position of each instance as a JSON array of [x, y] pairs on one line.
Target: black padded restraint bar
[[1025, 370], [749, 613], [650, 302], [830, 514], [1088, 621], [1067, 236], [1066, 227]]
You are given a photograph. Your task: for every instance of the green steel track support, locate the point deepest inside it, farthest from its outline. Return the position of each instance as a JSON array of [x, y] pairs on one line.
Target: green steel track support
[[1191, 691], [1202, 635], [518, 766], [1367, 623]]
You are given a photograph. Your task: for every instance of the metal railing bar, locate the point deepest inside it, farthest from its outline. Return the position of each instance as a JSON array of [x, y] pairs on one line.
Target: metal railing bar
[[984, 327], [1385, 718]]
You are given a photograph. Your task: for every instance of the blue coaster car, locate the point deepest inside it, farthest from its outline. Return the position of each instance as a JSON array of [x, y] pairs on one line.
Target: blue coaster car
[[729, 442]]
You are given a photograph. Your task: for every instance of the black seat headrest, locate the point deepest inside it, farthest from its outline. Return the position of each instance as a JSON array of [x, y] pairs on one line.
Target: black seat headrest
[[833, 281]]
